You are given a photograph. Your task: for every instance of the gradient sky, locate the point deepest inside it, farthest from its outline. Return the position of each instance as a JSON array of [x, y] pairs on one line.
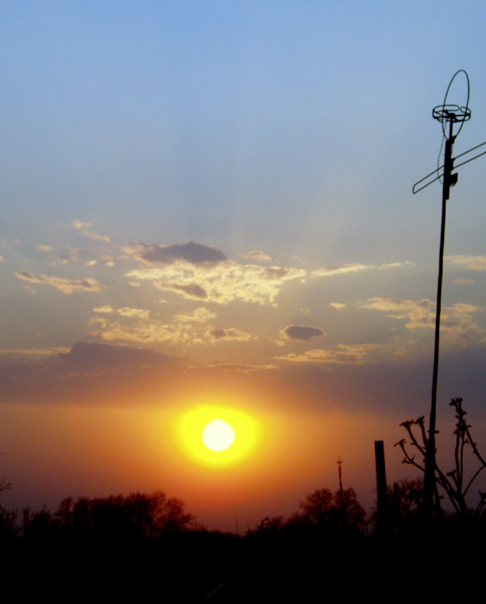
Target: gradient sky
[[210, 204]]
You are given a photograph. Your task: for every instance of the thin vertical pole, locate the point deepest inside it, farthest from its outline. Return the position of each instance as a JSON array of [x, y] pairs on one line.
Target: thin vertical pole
[[429, 478], [341, 494], [381, 484]]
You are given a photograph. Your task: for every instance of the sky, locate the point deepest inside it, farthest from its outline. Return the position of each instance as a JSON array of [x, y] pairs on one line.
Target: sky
[[206, 209]]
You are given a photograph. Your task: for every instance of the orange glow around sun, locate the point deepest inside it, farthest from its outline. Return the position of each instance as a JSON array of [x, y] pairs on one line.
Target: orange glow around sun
[[218, 436]]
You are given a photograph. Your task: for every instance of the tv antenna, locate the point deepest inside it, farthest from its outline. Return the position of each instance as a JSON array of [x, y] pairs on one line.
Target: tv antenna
[[452, 118]]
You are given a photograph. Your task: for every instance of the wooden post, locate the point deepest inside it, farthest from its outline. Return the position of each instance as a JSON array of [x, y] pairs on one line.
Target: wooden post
[[381, 484]]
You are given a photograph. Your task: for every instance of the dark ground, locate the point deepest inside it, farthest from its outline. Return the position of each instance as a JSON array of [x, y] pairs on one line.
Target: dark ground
[[267, 567]]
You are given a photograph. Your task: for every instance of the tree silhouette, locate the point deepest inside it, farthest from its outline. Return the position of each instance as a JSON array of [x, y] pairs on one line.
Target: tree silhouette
[[8, 524], [38, 525], [134, 515], [4, 484], [8, 520], [352, 514], [318, 507], [322, 508]]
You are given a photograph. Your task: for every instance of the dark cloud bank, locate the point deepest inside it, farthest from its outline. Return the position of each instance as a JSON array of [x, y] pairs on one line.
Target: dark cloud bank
[[194, 253], [303, 332], [104, 374]]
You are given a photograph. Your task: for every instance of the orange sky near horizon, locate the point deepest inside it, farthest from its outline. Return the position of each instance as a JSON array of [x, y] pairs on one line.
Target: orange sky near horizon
[[96, 451]]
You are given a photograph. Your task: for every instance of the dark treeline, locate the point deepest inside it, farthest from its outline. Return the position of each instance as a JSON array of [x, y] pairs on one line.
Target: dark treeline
[[147, 545], [133, 516], [142, 545]]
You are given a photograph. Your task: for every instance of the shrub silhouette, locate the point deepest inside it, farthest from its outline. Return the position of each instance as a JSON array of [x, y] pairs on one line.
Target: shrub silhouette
[[455, 483]]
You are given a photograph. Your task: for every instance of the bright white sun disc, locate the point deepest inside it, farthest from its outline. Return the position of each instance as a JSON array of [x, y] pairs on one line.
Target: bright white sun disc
[[218, 435]]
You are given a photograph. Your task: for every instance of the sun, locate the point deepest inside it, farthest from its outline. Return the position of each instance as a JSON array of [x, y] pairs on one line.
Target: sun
[[218, 435]]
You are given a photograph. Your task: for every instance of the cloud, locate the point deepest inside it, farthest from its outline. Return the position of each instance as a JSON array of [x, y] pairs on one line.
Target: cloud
[[421, 313], [340, 270], [240, 368], [86, 230], [103, 309], [200, 272], [192, 253], [257, 256], [230, 334], [66, 258], [46, 248], [337, 305], [90, 374], [356, 267], [77, 224], [198, 315], [139, 313], [220, 283], [31, 351], [395, 265], [186, 329], [469, 263], [190, 291], [67, 286], [351, 354], [27, 276], [142, 332], [105, 356], [302, 332]]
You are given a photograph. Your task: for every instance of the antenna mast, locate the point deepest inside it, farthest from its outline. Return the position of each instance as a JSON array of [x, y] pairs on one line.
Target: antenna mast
[[449, 116]]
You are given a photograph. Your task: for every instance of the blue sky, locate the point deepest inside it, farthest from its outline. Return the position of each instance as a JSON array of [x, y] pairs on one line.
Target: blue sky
[[229, 186]]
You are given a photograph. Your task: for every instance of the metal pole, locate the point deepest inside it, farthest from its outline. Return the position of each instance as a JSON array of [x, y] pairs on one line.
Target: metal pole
[[429, 478]]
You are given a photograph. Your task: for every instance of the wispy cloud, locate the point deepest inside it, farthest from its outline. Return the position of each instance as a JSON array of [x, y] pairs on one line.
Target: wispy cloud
[[139, 313], [337, 305], [343, 269], [27, 276], [231, 334], [257, 256], [418, 313], [32, 351], [103, 309], [86, 229], [198, 315], [421, 313], [331, 271], [351, 354], [66, 286], [192, 328], [469, 263]]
